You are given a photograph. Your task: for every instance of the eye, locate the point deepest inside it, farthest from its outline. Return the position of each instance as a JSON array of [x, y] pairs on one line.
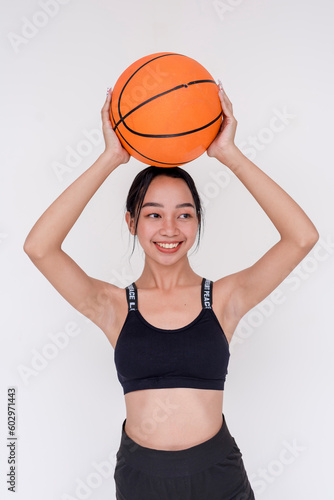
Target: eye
[[149, 215]]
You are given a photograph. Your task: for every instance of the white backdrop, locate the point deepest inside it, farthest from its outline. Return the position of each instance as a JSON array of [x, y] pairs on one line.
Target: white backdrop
[[275, 59]]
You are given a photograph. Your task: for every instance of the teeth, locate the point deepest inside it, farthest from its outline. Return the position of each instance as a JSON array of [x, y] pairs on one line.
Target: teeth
[[167, 245]]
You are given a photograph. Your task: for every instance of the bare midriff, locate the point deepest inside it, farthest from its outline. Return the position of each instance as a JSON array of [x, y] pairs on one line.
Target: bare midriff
[[173, 418]]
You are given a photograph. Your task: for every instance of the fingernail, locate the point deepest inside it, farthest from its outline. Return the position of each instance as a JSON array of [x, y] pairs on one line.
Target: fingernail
[[109, 88]]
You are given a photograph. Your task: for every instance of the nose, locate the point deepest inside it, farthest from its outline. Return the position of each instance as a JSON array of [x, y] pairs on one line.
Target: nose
[[169, 227]]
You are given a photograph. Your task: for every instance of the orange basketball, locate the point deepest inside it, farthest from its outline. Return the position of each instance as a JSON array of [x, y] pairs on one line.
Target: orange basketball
[[165, 109]]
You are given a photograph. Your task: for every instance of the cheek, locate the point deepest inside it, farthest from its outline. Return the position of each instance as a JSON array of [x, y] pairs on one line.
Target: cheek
[[148, 228], [194, 226], [145, 230], [189, 230]]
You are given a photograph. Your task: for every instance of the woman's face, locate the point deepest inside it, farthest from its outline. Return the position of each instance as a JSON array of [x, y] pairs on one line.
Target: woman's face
[[162, 221]]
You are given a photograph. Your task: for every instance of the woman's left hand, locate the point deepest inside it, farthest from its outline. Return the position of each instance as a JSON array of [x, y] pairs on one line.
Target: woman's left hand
[[222, 147]]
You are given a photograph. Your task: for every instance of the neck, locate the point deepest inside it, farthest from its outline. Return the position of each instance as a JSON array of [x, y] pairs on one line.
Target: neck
[[167, 278]]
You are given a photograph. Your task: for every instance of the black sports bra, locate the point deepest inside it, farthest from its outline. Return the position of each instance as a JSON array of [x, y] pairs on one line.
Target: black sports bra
[[196, 355]]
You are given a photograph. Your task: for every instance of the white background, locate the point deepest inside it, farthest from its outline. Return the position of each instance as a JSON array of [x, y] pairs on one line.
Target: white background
[[58, 58]]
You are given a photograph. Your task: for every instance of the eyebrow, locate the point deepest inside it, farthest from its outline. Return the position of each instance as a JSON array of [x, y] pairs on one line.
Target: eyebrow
[[181, 205]]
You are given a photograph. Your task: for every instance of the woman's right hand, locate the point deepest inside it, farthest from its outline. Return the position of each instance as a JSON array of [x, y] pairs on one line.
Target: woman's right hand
[[113, 144]]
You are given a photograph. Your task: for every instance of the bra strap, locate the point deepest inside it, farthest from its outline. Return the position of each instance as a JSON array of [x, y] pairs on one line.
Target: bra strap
[[131, 295], [206, 293]]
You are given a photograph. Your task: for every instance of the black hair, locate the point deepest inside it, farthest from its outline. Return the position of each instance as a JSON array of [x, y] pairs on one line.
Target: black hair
[[141, 183]]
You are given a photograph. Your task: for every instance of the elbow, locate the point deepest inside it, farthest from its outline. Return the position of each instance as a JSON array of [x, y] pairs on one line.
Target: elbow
[[32, 250], [28, 249], [37, 252], [310, 240]]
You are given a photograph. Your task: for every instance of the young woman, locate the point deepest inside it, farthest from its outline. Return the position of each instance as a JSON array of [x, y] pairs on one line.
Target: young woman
[[171, 328]]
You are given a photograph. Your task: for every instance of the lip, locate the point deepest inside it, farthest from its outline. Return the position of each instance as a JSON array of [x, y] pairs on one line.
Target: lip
[[168, 250]]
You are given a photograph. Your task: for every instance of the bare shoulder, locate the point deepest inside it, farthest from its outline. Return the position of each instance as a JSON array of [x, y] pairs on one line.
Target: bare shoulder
[[224, 306], [109, 309]]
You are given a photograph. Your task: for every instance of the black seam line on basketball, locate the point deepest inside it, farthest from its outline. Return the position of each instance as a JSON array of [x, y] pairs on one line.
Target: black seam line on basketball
[[120, 114], [152, 159], [133, 74], [166, 136], [159, 95], [145, 102]]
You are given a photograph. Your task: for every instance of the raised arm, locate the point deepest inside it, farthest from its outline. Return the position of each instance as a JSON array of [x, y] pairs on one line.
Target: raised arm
[[43, 243], [298, 234]]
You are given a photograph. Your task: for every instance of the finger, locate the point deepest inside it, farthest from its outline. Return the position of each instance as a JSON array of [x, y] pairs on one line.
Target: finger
[[220, 85], [106, 107], [225, 104], [108, 98], [227, 100]]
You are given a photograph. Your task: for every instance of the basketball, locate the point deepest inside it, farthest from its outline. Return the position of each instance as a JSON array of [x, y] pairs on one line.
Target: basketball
[[165, 109]]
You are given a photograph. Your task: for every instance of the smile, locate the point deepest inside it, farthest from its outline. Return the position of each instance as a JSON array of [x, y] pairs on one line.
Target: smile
[[168, 247]]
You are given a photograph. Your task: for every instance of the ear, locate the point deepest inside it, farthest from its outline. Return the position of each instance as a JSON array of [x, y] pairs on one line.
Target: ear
[[130, 222]]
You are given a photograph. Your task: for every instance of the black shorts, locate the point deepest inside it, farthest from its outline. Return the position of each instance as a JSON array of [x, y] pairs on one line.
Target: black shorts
[[212, 470]]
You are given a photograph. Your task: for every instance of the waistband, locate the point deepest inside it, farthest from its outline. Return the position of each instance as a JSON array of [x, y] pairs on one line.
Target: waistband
[[176, 462]]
